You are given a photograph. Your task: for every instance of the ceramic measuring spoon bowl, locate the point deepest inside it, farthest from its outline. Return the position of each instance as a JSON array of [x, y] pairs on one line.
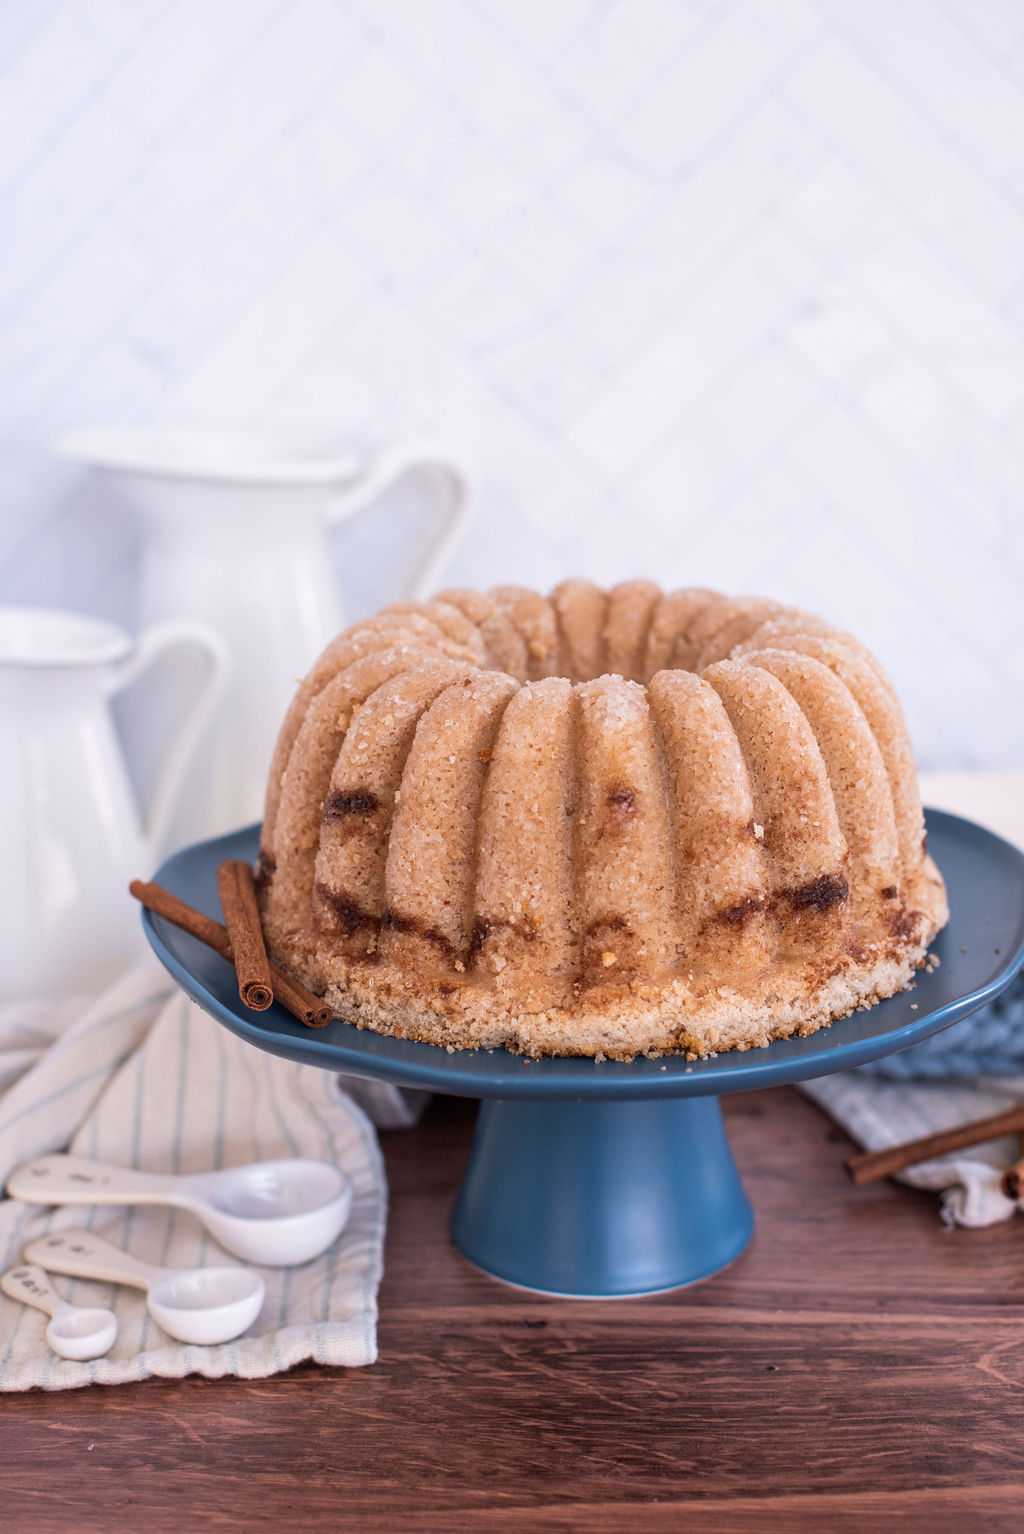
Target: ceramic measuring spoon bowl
[[275, 1213], [206, 1305], [79, 1333]]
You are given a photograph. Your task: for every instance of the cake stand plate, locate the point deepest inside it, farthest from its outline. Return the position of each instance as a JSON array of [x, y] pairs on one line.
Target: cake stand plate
[[603, 1179]]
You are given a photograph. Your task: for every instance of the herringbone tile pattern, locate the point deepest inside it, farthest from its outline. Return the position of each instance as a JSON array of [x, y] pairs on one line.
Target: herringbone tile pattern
[[728, 291]]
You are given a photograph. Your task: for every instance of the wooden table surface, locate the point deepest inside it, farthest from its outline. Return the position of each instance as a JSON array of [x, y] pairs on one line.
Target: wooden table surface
[[859, 1368]]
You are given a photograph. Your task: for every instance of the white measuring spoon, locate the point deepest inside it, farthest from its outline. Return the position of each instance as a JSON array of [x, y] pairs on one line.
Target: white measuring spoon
[[276, 1213], [74, 1331], [201, 1305]]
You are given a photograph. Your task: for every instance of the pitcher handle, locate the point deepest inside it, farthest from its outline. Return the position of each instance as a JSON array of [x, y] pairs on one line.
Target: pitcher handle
[[385, 469], [151, 644]]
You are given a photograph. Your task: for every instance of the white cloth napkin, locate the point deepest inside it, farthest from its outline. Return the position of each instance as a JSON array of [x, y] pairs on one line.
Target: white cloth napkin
[[879, 1112], [143, 1078]]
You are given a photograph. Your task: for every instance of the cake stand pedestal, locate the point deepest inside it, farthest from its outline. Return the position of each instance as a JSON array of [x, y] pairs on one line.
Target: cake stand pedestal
[[610, 1179], [602, 1198]]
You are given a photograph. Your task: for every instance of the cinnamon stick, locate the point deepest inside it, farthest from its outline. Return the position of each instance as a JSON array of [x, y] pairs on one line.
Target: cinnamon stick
[[309, 1009], [1013, 1180], [242, 919], [882, 1163]]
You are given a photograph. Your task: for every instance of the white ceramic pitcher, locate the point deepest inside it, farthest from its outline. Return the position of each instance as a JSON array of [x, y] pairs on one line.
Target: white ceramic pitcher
[[72, 837], [237, 537]]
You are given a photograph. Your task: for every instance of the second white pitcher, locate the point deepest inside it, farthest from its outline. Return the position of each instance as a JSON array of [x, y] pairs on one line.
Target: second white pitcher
[[237, 537]]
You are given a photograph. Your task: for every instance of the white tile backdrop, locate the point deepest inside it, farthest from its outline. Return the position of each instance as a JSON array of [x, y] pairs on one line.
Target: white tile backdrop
[[721, 291]]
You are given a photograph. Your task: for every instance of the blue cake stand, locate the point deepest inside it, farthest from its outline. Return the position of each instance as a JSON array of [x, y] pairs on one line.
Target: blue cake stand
[[605, 1179]]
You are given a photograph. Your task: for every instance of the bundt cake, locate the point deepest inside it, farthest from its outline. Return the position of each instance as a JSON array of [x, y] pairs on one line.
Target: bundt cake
[[597, 823]]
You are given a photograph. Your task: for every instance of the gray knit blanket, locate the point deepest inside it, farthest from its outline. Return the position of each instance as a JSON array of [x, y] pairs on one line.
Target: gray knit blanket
[[988, 1043]]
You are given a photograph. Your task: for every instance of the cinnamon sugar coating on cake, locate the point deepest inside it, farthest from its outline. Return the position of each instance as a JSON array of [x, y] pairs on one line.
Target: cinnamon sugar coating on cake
[[600, 823]]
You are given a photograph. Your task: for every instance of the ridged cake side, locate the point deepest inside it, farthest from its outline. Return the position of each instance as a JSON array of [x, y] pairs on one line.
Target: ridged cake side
[[601, 823]]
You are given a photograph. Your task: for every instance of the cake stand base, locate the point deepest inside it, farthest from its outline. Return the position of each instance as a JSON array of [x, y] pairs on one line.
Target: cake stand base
[[599, 1199]]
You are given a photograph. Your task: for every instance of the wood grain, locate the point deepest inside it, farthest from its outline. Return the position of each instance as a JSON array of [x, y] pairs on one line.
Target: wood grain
[[859, 1368]]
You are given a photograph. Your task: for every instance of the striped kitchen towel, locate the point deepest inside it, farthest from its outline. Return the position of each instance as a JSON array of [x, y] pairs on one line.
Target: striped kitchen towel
[[143, 1078], [882, 1113]]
